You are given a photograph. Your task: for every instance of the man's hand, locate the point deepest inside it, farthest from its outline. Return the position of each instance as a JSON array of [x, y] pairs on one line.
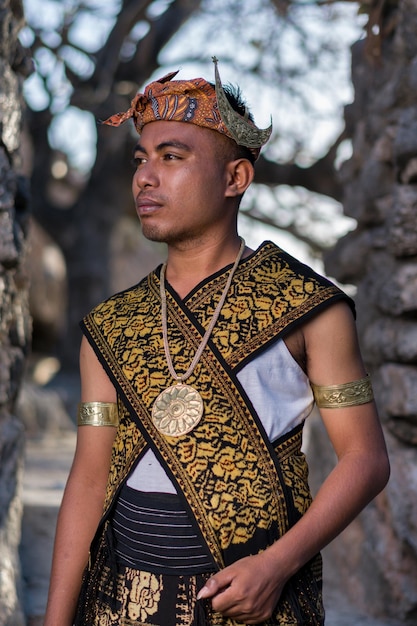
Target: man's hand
[[247, 590]]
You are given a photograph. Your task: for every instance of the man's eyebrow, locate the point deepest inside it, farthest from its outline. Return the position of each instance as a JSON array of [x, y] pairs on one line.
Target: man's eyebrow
[[174, 143], [139, 148], [163, 145]]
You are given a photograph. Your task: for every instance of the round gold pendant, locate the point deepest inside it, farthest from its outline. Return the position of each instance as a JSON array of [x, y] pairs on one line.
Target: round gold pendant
[[177, 410]]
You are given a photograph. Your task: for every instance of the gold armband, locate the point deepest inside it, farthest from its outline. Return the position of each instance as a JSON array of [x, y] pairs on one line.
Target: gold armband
[[98, 414], [347, 394]]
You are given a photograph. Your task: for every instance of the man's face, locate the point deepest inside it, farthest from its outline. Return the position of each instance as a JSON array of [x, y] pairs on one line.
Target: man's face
[[180, 182]]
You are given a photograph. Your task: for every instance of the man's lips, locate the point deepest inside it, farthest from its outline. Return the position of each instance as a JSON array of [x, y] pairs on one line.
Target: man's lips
[[145, 206]]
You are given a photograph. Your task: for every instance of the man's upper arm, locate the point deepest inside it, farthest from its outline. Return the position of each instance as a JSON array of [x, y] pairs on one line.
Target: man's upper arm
[[95, 384], [333, 358], [94, 443], [332, 350]]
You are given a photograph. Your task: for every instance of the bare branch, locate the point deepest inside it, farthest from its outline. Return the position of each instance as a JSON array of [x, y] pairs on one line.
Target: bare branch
[[144, 62], [291, 228], [108, 60], [321, 177]]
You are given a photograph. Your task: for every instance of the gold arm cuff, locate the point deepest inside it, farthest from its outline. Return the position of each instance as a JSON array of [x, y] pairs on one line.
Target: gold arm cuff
[[347, 394], [98, 414]]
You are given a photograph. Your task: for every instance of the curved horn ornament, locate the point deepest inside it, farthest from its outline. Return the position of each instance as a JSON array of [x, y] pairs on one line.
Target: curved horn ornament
[[243, 132]]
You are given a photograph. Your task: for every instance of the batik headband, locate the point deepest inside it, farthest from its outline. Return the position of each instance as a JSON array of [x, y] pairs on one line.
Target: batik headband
[[195, 101]]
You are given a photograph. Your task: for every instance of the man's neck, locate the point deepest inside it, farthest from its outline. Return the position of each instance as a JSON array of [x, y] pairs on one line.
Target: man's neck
[[187, 267]]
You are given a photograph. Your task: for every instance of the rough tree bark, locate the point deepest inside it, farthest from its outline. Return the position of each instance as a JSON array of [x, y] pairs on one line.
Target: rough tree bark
[[380, 257], [14, 313]]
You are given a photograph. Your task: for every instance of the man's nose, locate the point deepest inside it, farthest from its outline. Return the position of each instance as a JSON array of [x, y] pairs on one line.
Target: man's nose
[[146, 175]]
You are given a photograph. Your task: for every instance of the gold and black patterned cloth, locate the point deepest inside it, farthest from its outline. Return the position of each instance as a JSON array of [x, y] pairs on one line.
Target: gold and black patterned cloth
[[193, 101], [242, 492]]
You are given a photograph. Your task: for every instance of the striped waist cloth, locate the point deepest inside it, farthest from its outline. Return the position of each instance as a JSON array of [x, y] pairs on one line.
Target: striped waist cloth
[[153, 532]]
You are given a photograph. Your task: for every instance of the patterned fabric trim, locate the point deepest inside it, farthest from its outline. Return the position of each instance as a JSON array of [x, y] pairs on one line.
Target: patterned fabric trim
[[272, 292]]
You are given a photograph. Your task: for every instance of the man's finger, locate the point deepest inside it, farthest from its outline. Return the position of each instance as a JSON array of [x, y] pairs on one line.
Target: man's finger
[[211, 588]]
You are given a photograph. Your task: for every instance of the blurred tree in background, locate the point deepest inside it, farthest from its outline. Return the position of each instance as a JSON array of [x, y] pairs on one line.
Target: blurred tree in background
[[291, 60]]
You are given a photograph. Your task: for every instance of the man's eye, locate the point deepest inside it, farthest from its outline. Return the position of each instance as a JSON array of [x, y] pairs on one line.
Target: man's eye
[[137, 161]]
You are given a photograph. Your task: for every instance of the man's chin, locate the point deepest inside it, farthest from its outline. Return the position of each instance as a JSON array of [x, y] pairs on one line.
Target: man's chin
[[159, 236], [154, 234]]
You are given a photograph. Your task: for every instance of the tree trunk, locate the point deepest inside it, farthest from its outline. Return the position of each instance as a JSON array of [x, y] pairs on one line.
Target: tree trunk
[[380, 257], [14, 313]]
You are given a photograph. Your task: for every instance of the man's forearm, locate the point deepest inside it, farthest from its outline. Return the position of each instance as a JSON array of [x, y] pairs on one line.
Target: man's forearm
[[77, 523], [352, 484]]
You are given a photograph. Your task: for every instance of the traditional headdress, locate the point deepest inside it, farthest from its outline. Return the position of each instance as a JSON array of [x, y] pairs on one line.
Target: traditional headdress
[[195, 101]]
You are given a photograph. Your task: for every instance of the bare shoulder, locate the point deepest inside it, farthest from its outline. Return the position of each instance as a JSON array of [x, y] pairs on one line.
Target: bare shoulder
[[338, 315], [332, 349], [95, 383]]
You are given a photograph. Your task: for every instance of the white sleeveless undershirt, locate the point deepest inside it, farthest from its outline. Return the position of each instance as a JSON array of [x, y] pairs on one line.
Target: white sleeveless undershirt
[[280, 393]]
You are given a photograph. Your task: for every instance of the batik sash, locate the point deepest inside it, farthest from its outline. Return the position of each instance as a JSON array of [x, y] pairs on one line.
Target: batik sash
[[227, 472]]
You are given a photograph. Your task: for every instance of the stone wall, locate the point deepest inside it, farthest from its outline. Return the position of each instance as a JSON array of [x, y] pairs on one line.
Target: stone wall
[[376, 558], [14, 313]]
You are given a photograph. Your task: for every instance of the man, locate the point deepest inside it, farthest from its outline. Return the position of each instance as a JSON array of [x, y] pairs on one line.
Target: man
[[195, 387]]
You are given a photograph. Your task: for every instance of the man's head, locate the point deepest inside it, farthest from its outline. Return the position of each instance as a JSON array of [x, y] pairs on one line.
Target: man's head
[[198, 102], [194, 159]]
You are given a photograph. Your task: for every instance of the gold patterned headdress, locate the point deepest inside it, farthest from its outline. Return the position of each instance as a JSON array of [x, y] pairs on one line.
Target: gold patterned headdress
[[195, 101]]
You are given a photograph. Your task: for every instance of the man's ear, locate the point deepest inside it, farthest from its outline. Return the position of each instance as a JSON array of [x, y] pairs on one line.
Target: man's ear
[[240, 174]]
